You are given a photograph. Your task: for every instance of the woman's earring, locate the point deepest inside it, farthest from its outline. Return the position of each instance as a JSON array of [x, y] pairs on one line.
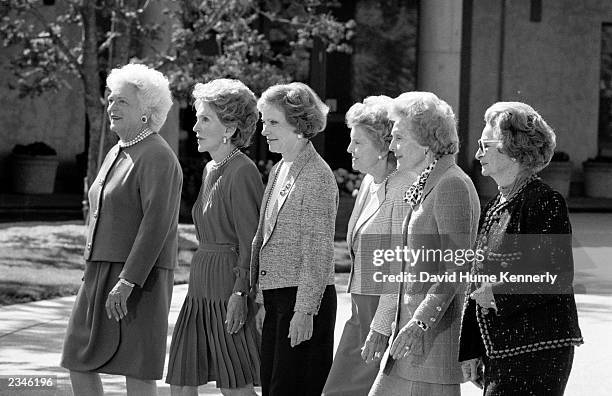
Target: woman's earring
[[300, 136], [379, 156], [224, 139], [144, 119]]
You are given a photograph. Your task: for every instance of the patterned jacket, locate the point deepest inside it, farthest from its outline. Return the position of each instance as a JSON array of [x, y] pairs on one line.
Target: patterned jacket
[[296, 248], [380, 228], [530, 234], [445, 219]]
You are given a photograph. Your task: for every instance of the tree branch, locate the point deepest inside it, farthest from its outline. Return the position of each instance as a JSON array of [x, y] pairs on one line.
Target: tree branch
[[58, 41]]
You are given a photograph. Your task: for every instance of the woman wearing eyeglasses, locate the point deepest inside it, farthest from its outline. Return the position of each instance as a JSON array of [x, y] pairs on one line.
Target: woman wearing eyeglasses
[[518, 333]]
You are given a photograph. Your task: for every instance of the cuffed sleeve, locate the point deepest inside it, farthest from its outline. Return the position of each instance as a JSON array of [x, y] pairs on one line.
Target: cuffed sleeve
[[385, 314], [456, 221]]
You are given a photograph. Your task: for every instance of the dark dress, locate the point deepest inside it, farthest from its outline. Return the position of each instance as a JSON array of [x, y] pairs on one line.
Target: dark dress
[[132, 234], [535, 322], [225, 217]]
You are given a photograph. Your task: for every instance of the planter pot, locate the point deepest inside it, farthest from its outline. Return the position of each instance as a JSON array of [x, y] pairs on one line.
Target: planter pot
[[558, 175], [34, 174], [486, 186], [345, 208], [598, 179]]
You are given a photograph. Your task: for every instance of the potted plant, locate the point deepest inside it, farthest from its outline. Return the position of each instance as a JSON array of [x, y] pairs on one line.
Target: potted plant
[[34, 168], [558, 173], [598, 177]]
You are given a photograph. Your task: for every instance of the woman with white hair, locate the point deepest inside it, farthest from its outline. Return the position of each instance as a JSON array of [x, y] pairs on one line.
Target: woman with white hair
[[119, 322], [422, 359], [215, 337]]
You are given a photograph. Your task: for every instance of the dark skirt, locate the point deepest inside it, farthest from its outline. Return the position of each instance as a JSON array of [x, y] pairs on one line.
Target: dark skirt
[[538, 373], [136, 345], [349, 374], [201, 348], [303, 369]]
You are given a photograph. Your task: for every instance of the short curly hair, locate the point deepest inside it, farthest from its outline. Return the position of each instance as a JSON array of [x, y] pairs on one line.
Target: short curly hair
[[152, 90], [433, 120], [524, 134], [373, 116], [235, 105], [302, 107]]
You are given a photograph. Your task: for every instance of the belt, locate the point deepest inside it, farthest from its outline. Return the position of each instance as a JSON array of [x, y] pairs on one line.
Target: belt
[[218, 248]]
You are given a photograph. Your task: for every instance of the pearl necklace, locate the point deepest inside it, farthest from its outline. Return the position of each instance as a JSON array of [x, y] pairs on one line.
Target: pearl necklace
[[140, 137], [226, 159], [382, 183]]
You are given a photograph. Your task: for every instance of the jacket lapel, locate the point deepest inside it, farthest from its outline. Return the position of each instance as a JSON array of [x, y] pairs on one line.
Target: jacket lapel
[[359, 202], [361, 220], [445, 162], [289, 185]]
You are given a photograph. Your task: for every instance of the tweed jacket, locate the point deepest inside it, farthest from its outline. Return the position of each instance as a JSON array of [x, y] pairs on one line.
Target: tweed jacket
[[133, 209], [528, 234], [380, 228], [296, 248], [446, 218]]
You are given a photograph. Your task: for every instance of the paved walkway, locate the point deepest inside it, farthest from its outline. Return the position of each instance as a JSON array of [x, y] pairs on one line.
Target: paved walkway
[[31, 334]]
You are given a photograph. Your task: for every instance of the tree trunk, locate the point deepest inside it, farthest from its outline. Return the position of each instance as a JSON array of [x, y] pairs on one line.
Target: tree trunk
[[91, 87]]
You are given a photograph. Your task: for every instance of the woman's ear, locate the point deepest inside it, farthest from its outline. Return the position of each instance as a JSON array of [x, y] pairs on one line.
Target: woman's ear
[[230, 131]]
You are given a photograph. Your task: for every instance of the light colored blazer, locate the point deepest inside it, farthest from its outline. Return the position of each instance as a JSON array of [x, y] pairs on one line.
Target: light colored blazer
[[380, 228], [447, 218], [296, 249]]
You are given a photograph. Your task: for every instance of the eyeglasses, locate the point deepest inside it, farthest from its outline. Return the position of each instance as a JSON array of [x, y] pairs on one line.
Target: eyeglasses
[[483, 145]]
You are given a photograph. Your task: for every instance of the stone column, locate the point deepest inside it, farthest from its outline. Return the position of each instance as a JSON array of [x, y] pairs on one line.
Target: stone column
[[154, 13], [439, 54]]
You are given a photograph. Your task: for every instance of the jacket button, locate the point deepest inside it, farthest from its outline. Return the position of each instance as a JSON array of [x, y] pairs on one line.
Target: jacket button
[[95, 214], [433, 319], [263, 272], [439, 309]]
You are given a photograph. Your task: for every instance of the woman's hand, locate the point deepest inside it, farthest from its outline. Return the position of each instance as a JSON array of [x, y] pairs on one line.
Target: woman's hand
[[259, 318], [374, 346], [116, 302], [409, 338], [300, 328], [484, 296], [236, 313], [472, 371]]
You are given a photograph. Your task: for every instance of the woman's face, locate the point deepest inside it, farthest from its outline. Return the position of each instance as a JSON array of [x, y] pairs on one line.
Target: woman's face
[[363, 152], [279, 134], [493, 163], [124, 110], [209, 130], [408, 152]]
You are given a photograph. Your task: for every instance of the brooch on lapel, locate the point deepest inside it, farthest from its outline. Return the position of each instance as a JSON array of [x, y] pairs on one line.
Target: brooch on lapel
[[285, 189]]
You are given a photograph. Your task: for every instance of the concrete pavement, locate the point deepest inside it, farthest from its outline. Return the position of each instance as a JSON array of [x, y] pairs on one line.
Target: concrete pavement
[[31, 334]]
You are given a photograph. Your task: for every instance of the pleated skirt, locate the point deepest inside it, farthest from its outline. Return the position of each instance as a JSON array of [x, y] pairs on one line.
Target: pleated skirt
[[136, 345], [201, 349]]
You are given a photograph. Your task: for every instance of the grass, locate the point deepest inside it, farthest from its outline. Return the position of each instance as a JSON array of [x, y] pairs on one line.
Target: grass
[[39, 260], [45, 260]]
